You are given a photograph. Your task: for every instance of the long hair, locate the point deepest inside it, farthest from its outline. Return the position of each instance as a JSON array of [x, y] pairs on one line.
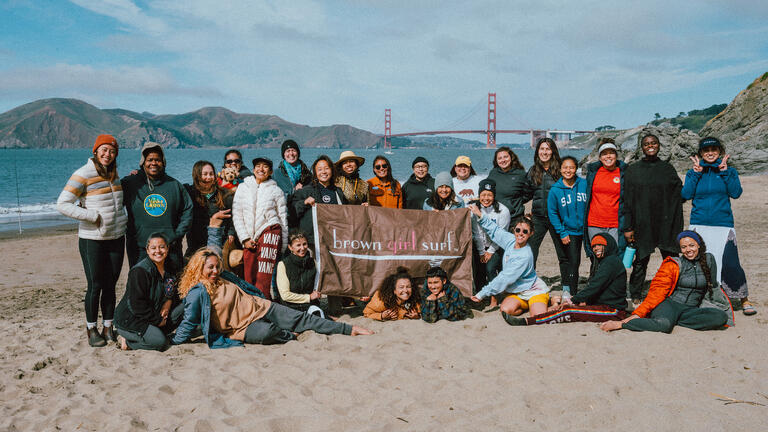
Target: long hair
[[554, 164], [515, 160], [108, 172], [389, 178], [387, 289], [436, 202], [330, 164], [193, 273], [702, 258], [197, 182]]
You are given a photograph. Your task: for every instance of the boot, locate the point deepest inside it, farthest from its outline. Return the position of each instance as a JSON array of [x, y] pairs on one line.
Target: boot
[[94, 338], [109, 334]]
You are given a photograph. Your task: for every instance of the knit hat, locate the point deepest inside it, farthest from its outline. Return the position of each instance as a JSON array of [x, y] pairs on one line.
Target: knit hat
[[444, 179], [598, 239], [606, 146], [289, 144], [419, 159], [105, 139], [691, 234], [148, 147], [487, 185], [260, 159], [463, 160], [710, 142]]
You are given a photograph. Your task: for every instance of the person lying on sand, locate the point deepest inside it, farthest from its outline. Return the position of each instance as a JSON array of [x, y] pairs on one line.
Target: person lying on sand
[[395, 300], [440, 299]]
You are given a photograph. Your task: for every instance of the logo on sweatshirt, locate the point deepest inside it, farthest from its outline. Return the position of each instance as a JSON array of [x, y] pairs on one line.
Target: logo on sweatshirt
[[155, 205]]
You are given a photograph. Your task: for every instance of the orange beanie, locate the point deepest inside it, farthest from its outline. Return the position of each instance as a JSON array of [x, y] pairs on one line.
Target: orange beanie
[[105, 139]]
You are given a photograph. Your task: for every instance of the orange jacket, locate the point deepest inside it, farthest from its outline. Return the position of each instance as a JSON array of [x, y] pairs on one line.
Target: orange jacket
[[382, 194], [375, 307], [661, 287]]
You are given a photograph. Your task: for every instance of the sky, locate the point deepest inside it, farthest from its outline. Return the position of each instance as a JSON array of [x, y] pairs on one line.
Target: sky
[[553, 65]]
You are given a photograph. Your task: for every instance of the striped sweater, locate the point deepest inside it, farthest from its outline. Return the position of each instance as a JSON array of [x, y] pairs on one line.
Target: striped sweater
[[97, 197]]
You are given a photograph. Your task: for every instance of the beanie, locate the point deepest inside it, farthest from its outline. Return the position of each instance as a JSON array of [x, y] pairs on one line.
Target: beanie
[[105, 139], [289, 144], [487, 185], [419, 159], [444, 179], [599, 240]]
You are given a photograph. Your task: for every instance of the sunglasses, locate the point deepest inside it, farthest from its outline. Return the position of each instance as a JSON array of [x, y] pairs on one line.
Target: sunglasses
[[233, 161], [521, 230], [382, 166]]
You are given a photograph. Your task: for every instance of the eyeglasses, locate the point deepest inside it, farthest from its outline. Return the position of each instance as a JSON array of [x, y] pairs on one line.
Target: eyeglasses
[[521, 230], [233, 161], [382, 166]]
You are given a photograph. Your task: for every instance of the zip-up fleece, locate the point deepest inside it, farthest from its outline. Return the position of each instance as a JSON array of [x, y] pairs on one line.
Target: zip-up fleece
[[711, 191]]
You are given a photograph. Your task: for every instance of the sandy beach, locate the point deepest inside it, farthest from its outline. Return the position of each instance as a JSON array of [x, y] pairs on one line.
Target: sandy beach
[[480, 374]]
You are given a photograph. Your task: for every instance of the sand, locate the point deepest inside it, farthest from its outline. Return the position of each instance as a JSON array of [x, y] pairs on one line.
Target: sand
[[478, 374]]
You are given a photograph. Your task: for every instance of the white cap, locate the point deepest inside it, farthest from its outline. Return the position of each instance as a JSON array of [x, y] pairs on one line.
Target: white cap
[[606, 146]]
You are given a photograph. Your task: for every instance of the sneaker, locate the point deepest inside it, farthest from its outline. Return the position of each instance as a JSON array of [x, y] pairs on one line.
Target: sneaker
[[566, 297], [513, 321], [94, 338]]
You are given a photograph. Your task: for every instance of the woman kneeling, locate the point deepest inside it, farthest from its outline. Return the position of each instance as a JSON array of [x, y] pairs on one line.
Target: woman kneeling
[[229, 316], [682, 293]]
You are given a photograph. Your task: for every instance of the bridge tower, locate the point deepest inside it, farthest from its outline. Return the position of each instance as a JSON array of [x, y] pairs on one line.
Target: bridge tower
[[491, 121], [387, 129]]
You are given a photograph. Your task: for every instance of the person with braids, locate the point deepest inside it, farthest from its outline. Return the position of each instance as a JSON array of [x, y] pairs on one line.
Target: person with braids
[[443, 197], [396, 299], [207, 199], [230, 315], [684, 292], [544, 173], [509, 175]]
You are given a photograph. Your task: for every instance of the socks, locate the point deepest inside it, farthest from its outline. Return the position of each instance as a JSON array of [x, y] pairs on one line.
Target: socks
[[90, 325], [107, 323]]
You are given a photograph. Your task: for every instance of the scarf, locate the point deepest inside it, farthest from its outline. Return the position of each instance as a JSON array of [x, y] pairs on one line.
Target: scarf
[[293, 171]]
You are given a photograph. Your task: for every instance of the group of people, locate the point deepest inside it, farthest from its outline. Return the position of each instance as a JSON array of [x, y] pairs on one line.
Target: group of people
[[247, 275]]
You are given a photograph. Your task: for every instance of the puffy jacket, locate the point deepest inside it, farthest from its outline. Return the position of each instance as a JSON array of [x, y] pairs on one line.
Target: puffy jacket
[[591, 173], [388, 195], [97, 197], [711, 191], [665, 282], [539, 193], [415, 191], [256, 207], [567, 207], [511, 189]]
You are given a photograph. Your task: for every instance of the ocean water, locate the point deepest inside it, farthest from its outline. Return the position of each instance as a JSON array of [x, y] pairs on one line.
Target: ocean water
[[31, 180]]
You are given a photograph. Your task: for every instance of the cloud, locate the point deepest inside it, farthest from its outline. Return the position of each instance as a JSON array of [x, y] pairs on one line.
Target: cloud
[[126, 12]]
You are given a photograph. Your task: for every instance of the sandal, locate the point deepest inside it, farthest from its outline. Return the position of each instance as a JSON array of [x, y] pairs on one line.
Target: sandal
[[748, 308]]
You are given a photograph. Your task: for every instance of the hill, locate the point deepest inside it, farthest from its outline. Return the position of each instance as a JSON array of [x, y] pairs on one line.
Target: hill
[[72, 123]]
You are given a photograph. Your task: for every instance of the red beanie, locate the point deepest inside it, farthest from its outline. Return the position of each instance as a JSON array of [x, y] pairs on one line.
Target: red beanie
[[599, 240], [105, 139]]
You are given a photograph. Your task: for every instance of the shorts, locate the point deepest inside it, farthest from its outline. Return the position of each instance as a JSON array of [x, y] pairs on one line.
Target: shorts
[[539, 298]]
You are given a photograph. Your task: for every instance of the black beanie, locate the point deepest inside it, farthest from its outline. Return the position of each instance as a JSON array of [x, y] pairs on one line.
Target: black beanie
[[287, 144], [487, 185], [419, 159]]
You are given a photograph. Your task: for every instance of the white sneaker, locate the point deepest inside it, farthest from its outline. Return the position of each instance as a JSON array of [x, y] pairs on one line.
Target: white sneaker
[[566, 297]]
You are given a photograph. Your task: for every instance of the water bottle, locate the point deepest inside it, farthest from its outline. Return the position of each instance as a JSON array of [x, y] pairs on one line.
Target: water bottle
[[629, 255]]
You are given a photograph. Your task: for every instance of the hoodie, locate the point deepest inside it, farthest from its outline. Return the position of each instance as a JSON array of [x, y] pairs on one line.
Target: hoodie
[[416, 191], [608, 284], [566, 207], [711, 191], [511, 189]]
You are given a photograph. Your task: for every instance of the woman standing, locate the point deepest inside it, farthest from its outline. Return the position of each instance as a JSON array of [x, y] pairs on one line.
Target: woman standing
[[144, 318], [510, 178], [465, 179], [489, 255], [419, 185], [711, 184], [354, 189], [95, 187], [443, 197], [541, 176], [383, 189], [207, 199], [260, 217]]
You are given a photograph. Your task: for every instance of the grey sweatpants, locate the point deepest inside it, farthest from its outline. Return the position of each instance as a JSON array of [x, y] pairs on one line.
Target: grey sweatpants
[[670, 313], [154, 338], [280, 322]]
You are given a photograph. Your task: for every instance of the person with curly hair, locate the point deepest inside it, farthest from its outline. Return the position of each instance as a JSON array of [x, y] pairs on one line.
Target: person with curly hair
[[396, 299], [684, 292]]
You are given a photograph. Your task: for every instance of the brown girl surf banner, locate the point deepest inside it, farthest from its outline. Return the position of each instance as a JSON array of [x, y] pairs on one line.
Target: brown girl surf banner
[[356, 247]]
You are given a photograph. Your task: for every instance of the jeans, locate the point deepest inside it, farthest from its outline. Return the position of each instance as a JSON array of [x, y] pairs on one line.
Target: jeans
[[102, 262], [280, 322]]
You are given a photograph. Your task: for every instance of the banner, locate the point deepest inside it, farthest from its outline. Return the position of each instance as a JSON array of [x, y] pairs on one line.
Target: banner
[[356, 247]]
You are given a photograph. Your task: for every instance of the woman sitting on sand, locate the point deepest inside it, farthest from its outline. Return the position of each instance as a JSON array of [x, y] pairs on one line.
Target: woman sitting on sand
[[295, 278], [396, 299], [683, 292], [517, 279], [143, 317], [230, 317]]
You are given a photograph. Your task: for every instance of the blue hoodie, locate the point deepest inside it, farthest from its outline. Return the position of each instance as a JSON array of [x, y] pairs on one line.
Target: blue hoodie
[[711, 191], [566, 207]]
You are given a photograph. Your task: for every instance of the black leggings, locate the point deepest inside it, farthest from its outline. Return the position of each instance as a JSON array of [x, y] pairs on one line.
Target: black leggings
[[102, 261], [540, 228], [573, 260]]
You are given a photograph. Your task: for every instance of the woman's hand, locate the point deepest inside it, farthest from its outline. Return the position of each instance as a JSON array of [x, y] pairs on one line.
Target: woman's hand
[[230, 239], [314, 295], [566, 240], [412, 314], [310, 201], [475, 299], [388, 314], [298, 186], [696, 166], [98, 221], [249, 244], [218, 218], [164, 311], [486, 257], [724, 164], [475, 211], [365, 204]]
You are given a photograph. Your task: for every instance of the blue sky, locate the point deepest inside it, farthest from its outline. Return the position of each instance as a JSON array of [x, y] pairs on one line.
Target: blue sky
[[553, 65]]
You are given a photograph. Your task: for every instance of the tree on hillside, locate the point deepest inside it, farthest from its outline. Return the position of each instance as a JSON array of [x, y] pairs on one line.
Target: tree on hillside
[[657, 116]]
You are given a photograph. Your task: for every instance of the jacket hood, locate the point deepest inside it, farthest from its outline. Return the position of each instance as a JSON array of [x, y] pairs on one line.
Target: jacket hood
[[149, 145], [611, 249], [560, 184]]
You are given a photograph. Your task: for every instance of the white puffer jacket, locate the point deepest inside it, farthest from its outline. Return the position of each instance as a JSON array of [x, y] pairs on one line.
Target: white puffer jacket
[[97, 196], [257, 206]]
